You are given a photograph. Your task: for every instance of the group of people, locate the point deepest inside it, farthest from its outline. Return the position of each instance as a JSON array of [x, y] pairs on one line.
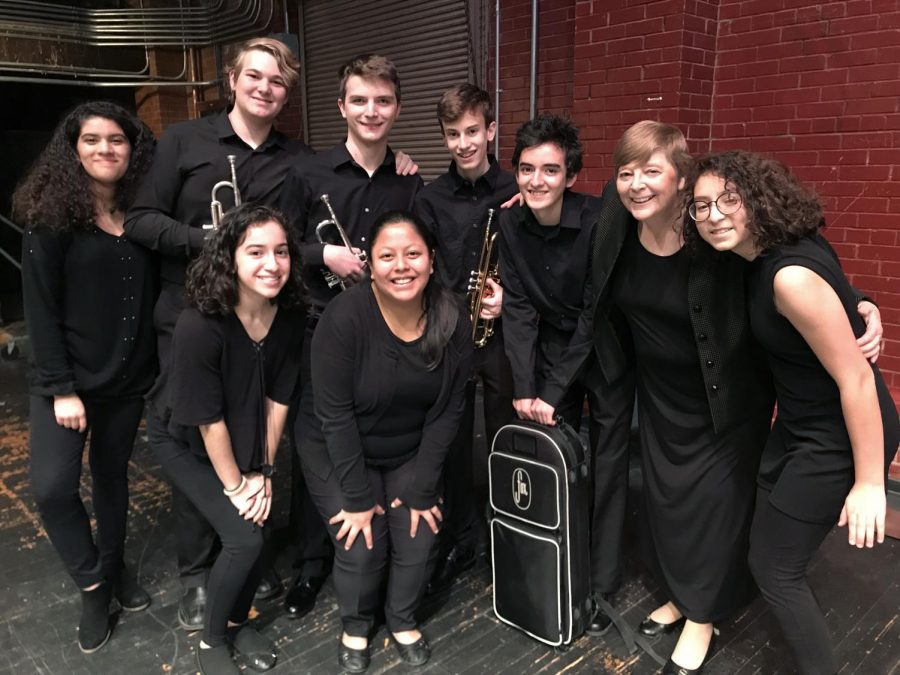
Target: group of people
[[702, 288]]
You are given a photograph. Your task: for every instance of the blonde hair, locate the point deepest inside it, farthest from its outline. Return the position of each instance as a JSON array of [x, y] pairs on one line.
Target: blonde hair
[[644, 138], [288, 64]]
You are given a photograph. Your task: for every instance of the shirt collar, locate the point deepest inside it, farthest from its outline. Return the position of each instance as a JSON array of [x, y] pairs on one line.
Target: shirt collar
[[570, 217], [222, 125], [338, 155], [489, 177]]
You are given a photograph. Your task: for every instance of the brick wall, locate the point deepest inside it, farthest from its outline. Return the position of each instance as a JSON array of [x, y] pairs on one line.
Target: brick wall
[[816, 85]]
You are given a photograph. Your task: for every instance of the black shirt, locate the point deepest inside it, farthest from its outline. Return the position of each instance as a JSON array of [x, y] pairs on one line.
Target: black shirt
[[455, 209], [173, 202], [355, 363], [357, 200], [544, 271], [89, 308], [219, 372]]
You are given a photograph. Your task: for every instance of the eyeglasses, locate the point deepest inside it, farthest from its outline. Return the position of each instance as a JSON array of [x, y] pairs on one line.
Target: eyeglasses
[[726, 203]]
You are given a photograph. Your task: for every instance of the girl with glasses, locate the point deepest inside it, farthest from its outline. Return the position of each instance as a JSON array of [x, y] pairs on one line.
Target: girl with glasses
[[837, 429]]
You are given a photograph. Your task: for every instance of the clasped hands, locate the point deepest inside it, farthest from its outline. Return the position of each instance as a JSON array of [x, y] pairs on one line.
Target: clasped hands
[[535, 409], [254, 500], [355, 522]]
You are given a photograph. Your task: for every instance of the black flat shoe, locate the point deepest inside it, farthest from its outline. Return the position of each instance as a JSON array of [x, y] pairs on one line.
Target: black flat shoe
[[191, 608], [216, 661], [300, 600], [672, 668], [270, 586], [600, 622], [353, 660], [129, 594], [416, 654], [457, 561], [652, 629], [256, 650]]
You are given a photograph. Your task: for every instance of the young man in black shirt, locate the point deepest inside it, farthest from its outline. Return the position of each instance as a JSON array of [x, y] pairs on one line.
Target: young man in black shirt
[[168, 216], [455, 207], [545, 258], [359, 176]]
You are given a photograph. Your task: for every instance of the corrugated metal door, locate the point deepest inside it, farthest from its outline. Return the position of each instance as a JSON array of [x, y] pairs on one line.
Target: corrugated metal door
[[429, 42]]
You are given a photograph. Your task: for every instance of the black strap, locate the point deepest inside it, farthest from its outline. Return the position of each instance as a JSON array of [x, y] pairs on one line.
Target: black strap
[[632, 639]]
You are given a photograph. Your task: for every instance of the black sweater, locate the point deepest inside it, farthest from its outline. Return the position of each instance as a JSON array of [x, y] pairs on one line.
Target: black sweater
[[354, 359]]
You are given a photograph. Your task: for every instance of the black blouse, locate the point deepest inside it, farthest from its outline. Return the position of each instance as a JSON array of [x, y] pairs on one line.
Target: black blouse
[[219, 372], [89, 308], [355, 362]]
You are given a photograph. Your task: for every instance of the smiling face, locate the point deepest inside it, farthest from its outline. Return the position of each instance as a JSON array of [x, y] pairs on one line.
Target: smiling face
[[259, 87], [104, 150], [723, 232], [467, 139], [262, 262], [401, 263], [650, 189], [541, 175], [370, 107]]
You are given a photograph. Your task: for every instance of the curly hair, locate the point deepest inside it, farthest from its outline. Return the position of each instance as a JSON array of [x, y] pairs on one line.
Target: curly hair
[[441, 308], [56, 192], [212, 286], [550, 129], [780, 210]]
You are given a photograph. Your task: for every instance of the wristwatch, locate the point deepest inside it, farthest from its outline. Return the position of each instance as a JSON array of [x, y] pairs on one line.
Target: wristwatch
[[267, 470]]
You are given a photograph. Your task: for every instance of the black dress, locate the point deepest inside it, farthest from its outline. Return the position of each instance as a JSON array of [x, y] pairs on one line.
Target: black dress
[[807, 465], [698, 485]]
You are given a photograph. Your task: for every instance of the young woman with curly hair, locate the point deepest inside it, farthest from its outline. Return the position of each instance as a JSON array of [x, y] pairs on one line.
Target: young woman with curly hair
[[837, 428], [88, 296], [235, 363]]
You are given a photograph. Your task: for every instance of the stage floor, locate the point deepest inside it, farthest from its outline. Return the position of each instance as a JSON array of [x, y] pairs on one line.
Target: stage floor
[[859, 591]]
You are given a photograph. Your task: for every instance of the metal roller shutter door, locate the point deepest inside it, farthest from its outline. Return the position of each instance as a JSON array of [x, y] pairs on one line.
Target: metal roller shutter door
[[428, 40]]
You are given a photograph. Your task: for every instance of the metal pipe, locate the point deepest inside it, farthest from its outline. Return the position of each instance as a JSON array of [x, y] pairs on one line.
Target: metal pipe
[[497, 89], [88, 83], [532, 106]]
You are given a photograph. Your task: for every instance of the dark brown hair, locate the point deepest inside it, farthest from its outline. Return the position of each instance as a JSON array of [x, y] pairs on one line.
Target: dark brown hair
[[369, 66], [462, 99]]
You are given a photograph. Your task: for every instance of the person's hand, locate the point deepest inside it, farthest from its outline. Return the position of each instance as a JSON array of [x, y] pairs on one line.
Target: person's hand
[[405, 164], [864, 514], [432, 516], [354, 522], [523, 407], [267, 494], [69, 412], [515, 200], [343, 262], [492, 302], [250, 499], [871, 343], [543, 412]]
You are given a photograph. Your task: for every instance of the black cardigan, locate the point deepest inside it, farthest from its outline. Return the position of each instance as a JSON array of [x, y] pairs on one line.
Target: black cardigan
[[353, 350], [737, 379]]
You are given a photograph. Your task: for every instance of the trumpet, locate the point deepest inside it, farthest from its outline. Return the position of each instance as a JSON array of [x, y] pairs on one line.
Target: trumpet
[[482, 329], [331, 278], [215, 206]]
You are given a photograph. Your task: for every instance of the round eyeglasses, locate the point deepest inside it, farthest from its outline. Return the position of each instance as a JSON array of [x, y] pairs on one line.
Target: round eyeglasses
[[726, 203]]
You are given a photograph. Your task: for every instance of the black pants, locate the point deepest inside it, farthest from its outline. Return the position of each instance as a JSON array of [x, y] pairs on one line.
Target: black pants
[[315, 551], [780, 550], [359, 573], [196, 543], [610, 408], [56, 457], [236, 571], [462, 506]]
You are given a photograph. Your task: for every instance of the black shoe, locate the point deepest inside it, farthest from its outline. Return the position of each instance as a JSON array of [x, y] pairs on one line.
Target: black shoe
[[191, 608], [600, 623], [652, 629], [416, 654], [94, 628], [672, 668], [129, 594], [257, 651], [353, 660], [270, 586], [216, 661], [300, 600], [457, 561]]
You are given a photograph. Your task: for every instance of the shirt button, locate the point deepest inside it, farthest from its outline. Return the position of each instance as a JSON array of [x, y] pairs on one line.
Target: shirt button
[[702, 337], [697, 308], [547, 267], [715, 388], [708, 363], [366, 209]]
